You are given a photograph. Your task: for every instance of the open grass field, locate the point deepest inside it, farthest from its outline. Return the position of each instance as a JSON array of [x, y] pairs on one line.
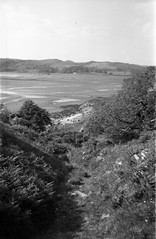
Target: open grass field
[[50, 91]]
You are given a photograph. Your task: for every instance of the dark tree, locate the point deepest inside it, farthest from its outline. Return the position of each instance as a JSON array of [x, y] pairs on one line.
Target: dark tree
[[4, 114], [124, 116], [135, 103], [34, 116]]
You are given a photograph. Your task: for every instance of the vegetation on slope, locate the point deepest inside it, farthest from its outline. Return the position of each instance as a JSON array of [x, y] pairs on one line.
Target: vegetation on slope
[[32, 178], [30, 184], [120, 192], [124, 116]]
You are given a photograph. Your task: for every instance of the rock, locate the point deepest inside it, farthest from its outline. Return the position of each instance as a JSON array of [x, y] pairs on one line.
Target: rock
[[143, 154], [118, 164], [136, 157], [81, 130], [108, 172], [81, 194], [119, 161], [99, 158], [90, 192], [105, 216], [86, 220]]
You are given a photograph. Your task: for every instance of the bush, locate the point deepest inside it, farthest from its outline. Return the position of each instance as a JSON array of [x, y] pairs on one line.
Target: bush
[[4, 114], [33, 116], [125, 116], [26, 132]]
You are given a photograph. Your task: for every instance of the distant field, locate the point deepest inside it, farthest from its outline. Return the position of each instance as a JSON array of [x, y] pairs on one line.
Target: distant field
[[49, 91]]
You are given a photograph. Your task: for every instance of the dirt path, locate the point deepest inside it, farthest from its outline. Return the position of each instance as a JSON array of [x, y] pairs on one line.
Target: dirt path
[[70, 222]]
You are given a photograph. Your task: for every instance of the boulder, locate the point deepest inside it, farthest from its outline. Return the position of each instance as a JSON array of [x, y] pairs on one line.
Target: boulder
[[81, 194], [99, 158], [104, 215]]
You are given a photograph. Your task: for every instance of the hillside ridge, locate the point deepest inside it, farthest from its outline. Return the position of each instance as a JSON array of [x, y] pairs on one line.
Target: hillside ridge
[[68, 66]]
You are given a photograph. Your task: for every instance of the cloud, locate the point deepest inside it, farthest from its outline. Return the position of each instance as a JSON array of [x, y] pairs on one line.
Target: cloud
[[79, 29]]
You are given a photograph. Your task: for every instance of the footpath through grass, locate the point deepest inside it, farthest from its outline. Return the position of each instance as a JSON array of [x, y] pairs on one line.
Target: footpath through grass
[[113, 191]]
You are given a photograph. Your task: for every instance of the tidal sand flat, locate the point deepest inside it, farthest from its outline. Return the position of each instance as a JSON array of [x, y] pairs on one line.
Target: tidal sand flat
[[48, 90]]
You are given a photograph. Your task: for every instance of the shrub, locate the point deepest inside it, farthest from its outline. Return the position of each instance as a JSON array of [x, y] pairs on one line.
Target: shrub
[[4, 114], [132, 111], [26, 132], [34, 116]]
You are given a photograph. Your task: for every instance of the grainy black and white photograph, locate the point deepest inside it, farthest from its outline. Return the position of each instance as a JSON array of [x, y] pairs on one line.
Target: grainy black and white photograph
[[77, 119]]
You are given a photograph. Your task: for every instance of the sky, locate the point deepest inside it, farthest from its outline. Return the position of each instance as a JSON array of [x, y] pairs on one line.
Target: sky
[[79, 30]]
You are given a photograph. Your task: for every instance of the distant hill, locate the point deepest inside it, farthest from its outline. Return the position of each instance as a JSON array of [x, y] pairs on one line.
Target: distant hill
[[55, 65]]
